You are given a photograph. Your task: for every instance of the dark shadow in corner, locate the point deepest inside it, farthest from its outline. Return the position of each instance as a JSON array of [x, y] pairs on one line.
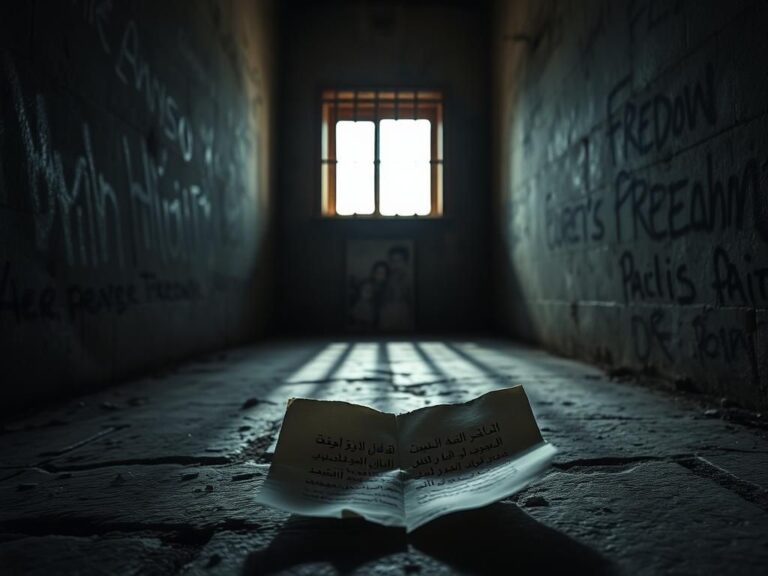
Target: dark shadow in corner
[[502, 539], [497, 539], [345, 544]]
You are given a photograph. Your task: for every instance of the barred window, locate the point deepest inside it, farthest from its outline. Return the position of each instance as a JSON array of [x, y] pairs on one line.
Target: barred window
[[382, 153]]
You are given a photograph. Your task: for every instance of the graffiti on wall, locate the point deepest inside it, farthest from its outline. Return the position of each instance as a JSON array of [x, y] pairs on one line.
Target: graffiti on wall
[[666, 190], [110, 197]]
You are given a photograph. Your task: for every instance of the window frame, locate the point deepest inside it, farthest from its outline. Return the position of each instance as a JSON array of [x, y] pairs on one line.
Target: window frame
[[376, 104]]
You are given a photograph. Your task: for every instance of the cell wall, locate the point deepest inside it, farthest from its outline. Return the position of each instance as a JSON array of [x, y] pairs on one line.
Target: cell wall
[[135, 178], [631, 210]]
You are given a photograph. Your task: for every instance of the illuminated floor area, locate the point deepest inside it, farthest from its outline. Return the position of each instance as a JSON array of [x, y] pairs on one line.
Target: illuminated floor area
[[158, 475]]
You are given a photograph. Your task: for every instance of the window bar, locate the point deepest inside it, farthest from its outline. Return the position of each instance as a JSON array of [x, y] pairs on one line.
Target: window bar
[[332, 151], [436, 162], [376, 190]]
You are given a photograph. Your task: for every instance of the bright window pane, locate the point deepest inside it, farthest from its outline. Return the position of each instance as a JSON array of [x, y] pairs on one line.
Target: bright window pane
[[405, 170], [354, 168]]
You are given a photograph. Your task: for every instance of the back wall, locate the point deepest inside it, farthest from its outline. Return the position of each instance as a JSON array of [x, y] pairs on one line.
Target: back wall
[[441, 45]]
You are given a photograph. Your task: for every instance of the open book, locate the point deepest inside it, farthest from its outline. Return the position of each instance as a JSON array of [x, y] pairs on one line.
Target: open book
[[337, 459]]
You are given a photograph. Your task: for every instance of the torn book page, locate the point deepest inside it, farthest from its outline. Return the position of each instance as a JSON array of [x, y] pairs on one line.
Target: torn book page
[[460, 456], [336, 459]]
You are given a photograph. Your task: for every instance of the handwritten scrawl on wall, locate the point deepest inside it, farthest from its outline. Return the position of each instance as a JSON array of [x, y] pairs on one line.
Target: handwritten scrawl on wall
[[637, 203], [175, 188], [133, 184]]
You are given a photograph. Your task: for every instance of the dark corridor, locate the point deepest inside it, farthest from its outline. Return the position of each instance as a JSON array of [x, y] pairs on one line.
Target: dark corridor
[[210, 208]]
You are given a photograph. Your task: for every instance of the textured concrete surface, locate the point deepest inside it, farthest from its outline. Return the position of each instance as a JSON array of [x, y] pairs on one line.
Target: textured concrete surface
[[135, 187], [631, 188], [158, 475]]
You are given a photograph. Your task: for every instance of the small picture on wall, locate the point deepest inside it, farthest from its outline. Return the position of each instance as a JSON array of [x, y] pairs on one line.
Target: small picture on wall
[[380, 293]]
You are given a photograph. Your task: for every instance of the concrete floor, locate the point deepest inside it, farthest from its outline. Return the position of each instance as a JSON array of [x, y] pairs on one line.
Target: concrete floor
[[157, 475]]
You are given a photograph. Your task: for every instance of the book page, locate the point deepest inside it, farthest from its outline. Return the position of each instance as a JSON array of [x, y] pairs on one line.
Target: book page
[[335, 459], [464, 456]]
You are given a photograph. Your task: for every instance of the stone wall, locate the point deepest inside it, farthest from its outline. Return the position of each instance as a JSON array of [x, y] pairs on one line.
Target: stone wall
[[427, 44], [134, 186], [631, 148]]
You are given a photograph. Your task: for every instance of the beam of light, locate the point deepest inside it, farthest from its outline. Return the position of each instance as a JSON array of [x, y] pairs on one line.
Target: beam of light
[[449, 362], [355, 168], [320, 367], [361, 363], [405, 149], [408, 366]]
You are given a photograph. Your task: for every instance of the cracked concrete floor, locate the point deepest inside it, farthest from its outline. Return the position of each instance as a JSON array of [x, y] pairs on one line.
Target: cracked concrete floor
[[158, 475]]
